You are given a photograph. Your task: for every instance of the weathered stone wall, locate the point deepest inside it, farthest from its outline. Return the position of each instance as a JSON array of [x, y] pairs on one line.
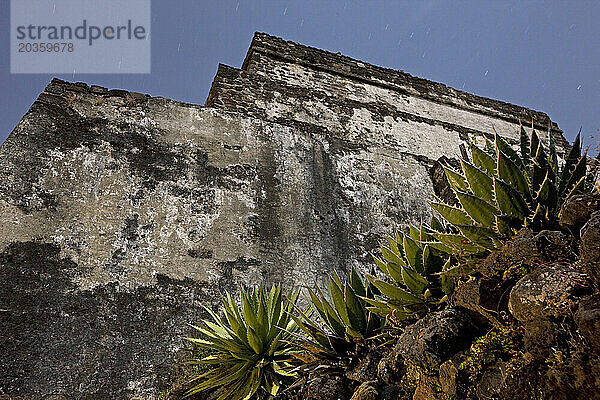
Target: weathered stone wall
[[406, 97], [120, 212]]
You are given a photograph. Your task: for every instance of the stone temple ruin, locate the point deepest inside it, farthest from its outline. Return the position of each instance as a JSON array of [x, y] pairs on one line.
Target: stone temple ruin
[[122, 212]]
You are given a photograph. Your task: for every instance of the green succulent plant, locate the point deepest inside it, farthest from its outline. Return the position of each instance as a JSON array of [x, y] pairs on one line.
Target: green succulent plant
[[249, 345], [346, 323], [413, 267], [500, 190]]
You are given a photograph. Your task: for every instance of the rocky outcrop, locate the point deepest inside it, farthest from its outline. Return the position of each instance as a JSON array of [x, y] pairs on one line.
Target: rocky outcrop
[[524, 325], [590, 248], [577, 211], [434, 339], [550, 291], [587, 319]]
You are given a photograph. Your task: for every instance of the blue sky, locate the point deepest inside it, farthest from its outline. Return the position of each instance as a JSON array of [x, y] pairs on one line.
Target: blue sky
[[540, 54]]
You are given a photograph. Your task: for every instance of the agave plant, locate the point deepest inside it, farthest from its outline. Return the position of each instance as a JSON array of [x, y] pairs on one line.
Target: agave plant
[[249, 345], [500, 191], [346, 323], [413, 268]]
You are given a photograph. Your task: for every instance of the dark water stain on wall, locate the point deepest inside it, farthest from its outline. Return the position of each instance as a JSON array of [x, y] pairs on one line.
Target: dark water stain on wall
[[90, 344]]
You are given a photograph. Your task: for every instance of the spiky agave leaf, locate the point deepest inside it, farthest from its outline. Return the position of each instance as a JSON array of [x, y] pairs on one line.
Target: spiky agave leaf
[[346, 322], [249, 349], [411, 266], [500, 192]]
